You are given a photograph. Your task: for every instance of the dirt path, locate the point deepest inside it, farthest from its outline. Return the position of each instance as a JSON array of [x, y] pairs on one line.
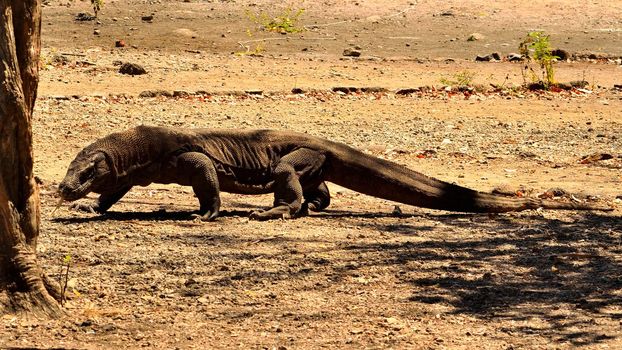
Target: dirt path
[[359, 275]]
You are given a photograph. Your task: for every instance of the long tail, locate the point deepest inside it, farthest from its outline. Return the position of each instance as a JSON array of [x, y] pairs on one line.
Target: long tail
[[380, 178]]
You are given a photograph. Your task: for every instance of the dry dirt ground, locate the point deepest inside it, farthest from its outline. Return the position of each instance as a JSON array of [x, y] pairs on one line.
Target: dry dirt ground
[[359, 275]]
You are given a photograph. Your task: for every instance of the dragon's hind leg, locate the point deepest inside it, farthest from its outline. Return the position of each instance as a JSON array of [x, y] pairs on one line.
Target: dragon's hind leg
[[317, 198], [296, 176]]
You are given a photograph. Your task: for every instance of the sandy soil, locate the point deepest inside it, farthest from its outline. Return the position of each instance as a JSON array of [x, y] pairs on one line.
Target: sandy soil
[[359, 275]]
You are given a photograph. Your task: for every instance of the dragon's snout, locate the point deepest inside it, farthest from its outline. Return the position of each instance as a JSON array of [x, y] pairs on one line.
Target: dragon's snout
[[67, 192]]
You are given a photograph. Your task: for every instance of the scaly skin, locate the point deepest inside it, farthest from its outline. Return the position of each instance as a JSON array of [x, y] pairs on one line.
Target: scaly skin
[[293, 166]]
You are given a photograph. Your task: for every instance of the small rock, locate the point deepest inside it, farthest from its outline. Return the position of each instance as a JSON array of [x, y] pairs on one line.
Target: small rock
[[345, 89], [597, 56], [119, 43], [61, 98], [147, 18], [373, 89], [180, 93], [297, 91], [87, 323], [555, 192], [60, 59], [96, 32], [84, 16], [562, 54], [595, 157], [132, 69], [254, 92], [527, 154], [476, 37], [515, 57], [495, 56], [406, 91], [351, 52], [155, 93]]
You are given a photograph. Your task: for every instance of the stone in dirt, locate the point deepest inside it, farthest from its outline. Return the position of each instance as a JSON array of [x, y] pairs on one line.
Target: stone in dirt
[[345, 89], [83, 16], [180, 93], [562, 55], [132, 69], [515, 57], [351, 52], [595, 157], [155, 93], [407, 91], [373, 89], [553, 192], [476, 37], [254, 92]]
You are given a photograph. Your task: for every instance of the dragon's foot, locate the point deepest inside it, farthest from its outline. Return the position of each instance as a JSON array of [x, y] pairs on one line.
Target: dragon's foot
[[281, 212], [205, 216], [85, 207]]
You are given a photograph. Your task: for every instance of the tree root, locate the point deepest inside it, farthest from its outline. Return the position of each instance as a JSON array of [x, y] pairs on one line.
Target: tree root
[[31, 290]]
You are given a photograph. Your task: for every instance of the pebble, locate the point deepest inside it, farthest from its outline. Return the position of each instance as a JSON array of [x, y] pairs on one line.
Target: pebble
[[476, 37], [351, 52], [132, 69]]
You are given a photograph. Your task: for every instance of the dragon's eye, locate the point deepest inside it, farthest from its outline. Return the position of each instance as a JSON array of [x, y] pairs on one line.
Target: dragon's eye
[[87, 174]]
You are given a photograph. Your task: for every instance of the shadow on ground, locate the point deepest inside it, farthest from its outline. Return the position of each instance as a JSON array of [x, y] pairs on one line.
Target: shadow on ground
[[565, 273]]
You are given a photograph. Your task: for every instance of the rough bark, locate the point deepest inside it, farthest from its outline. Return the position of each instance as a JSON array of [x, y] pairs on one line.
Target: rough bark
[[22, 282]]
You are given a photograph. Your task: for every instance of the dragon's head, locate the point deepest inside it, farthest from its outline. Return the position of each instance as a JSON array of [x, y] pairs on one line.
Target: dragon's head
[[87, 173]]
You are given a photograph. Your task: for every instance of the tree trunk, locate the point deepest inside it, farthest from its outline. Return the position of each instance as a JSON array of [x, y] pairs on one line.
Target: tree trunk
[[23, 285]]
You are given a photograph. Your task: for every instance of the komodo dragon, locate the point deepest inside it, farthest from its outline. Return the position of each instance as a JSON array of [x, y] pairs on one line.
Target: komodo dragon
[[293, 166]]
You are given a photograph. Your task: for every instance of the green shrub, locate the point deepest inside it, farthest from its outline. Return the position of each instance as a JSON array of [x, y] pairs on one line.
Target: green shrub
[[537, 47], [284, 23]]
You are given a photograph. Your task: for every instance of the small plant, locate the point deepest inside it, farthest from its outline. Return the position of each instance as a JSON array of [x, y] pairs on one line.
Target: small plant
[[462, 78], [97, 5], [284, 23], [63, 278], [256, 51], [538, 44]]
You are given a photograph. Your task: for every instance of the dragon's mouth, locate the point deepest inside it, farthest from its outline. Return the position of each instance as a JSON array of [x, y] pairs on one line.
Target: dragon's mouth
[[69, 193]]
